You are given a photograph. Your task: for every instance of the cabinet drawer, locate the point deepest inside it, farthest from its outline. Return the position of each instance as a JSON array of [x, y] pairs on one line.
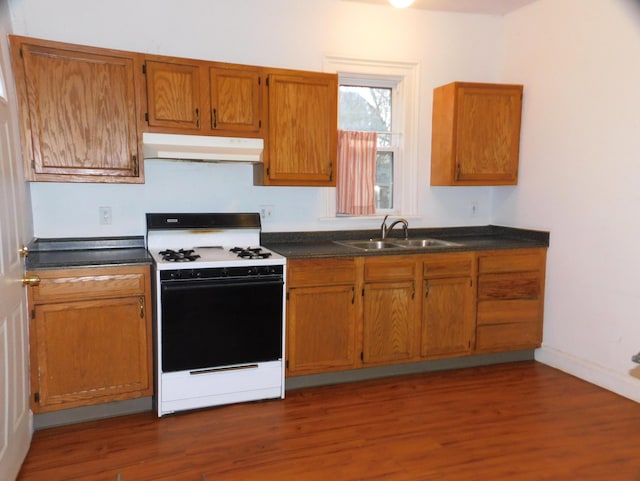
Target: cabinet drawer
[[516, 285], [447, 265], [389, 268], [508, 337], [517, 261], [57, 285], [507, 312], [316, 272]]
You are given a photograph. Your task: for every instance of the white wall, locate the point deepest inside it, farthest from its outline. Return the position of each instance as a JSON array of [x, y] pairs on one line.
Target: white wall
[[580, 178], [279, 33]]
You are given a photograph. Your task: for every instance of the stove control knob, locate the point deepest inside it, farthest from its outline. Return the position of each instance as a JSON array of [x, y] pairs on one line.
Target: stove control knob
[[252, 271]]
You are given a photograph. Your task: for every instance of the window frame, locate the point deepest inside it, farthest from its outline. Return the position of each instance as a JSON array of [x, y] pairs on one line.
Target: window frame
[[403, 78]]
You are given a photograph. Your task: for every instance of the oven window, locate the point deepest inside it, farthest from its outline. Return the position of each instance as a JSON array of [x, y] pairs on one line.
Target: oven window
[[208, 324]]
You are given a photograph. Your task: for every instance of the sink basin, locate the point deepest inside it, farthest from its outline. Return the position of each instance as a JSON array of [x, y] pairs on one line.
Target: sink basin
[[379, 244], [370, 245], [425, 243]]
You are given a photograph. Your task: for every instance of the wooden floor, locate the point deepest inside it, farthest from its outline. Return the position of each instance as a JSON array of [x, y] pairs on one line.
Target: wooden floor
[[520, 421]]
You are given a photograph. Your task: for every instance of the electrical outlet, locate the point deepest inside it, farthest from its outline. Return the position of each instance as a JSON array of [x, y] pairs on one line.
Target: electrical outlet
[[266, 212], [105, 215]]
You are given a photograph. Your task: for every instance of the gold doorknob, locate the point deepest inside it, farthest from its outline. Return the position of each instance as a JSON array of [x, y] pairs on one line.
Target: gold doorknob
[[23, 251], [32, 280]]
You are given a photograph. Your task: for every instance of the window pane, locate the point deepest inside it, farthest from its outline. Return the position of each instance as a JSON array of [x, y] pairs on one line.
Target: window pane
[[366, 109], [384, 180]]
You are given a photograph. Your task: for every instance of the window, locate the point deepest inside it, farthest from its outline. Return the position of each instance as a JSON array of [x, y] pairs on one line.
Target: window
[[369, 108], [381, 96]]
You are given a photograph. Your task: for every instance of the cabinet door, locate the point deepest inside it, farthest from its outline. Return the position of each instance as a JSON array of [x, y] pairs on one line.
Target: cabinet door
[[448, 308], [389, 329], [303, 130], [476, 134], [174, 99], [235, 95], [448, 324], [488, 133], [78, 112], [321, 329], [89, 352]]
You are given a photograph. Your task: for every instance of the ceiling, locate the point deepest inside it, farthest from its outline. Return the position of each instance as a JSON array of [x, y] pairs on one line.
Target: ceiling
[[491, 7]]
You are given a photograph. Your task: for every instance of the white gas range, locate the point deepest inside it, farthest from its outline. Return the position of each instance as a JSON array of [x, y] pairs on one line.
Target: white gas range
[[220, 311]]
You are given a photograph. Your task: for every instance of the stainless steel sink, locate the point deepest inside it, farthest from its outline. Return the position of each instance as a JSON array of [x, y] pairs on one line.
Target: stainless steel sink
[[398, 244], [370, 245], [426, 243]]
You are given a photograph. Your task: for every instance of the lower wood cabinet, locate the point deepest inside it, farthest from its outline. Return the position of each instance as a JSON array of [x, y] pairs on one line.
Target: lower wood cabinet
[[390, 306], [510, 299], [90, 336], [389, 309], [448, 308], [322, 307]]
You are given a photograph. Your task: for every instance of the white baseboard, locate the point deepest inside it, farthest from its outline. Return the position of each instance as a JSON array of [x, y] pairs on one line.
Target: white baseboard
[[626, 385]]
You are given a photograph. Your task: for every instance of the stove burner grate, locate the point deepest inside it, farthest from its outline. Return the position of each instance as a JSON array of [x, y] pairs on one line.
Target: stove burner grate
[[251, 252], [182, 255]]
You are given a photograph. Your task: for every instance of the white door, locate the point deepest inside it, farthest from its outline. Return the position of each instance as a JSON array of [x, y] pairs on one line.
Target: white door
[[15, 416]]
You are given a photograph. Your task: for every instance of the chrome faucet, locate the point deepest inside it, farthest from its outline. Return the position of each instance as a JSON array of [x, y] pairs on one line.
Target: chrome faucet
[[384, 230]]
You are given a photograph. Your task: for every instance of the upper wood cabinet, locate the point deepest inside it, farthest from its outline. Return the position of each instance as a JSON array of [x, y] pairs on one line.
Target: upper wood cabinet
[[77, 111], [83, 110], [206, 98], [301, 143], [476, 134], [174, 99], [236, 99]]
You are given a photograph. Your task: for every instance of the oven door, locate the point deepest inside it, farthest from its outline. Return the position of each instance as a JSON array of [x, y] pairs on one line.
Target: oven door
[[213, 323]]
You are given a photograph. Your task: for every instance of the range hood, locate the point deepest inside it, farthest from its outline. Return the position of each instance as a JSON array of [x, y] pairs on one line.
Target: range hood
[[201, 148]]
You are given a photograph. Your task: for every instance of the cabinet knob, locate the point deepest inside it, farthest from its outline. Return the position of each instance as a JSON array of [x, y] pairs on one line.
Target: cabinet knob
[[23, 251], [32, 280]]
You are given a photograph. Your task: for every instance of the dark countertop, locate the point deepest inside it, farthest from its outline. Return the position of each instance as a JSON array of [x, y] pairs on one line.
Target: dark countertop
[[113, 251], [86, 252], [303, 245]]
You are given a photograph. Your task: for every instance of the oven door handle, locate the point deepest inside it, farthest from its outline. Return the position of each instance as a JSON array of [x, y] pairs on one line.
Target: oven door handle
[[205, 284]]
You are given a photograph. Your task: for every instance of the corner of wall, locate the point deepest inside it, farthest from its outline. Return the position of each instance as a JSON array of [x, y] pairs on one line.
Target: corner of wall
[[616, 382]]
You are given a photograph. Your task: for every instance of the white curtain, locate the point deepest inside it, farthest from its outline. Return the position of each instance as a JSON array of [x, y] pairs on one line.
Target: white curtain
[[356, 173]]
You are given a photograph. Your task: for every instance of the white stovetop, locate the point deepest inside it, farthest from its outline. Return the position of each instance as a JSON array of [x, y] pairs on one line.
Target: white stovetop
[[219, 256]]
